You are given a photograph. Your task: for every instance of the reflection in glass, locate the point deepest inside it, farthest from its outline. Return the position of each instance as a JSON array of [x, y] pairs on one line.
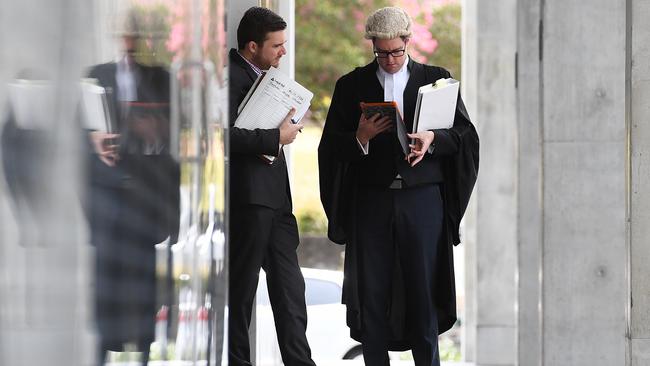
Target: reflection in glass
[[198, 122], [26, 146], [133, 193], [111, 134], [172, 139], [44, 252]]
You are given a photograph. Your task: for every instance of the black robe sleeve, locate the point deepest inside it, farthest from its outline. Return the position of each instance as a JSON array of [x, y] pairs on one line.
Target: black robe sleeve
[[460, 168], [337, 149]]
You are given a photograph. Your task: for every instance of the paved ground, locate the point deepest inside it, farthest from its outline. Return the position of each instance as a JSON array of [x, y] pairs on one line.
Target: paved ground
[[337, 363]]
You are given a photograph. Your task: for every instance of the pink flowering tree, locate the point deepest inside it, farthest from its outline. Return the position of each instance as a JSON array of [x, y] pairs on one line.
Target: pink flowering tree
[[166, 28], [330, 43], [213, 37]]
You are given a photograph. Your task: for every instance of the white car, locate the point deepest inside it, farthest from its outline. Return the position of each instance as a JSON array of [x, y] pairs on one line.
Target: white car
[[327, 332]]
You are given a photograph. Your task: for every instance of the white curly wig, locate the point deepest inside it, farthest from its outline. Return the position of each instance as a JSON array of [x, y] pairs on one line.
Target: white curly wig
[[388, 23]]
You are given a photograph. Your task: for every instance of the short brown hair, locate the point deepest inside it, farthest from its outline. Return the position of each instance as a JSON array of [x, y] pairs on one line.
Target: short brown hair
[[256, 23]]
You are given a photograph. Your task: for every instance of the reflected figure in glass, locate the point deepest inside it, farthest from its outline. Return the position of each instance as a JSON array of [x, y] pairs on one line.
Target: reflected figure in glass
[[133, 194], [27, 148]]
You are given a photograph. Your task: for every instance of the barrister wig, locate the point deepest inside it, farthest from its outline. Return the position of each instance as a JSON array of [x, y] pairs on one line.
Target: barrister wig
[[388, 23]]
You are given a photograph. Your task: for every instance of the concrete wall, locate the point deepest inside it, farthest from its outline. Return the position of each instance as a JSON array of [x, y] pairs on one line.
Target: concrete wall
[[583, 122], [639, 197], [529, 193], [469, 67], [568, 154], [564, 113], [489, 52]]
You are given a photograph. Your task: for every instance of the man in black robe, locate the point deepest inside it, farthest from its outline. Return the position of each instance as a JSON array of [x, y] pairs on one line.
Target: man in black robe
[[398, 214]]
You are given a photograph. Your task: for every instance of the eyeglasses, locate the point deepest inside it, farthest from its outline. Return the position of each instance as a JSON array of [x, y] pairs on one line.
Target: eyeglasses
[[385, 54]]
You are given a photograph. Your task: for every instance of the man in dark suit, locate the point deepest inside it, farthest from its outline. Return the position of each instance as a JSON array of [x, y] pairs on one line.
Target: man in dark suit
[[263, 229], [133, 198], [398, 214]]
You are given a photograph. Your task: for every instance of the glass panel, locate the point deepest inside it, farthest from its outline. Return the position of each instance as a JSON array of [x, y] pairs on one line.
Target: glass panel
[[112, 181], [199, 121], [45, 259]]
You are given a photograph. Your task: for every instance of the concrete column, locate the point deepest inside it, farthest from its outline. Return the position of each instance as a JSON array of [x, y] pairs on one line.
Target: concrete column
[[572, 159], [469, 91], [489, 52], [529, 198], [556, 177], [583, 114], [287, 10], [639, 197]]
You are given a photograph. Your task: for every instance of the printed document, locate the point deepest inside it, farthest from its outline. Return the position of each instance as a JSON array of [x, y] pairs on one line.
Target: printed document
[[270, 99]]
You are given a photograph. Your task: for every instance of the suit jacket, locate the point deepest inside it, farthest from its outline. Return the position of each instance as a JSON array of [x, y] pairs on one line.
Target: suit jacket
[[152, 85], [343, 169], [253, 181], [150, 183]]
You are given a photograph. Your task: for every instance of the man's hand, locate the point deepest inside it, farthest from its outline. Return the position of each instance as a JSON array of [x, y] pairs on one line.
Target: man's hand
[[369, 128], [104, 145], [420, 146], [288, 129]]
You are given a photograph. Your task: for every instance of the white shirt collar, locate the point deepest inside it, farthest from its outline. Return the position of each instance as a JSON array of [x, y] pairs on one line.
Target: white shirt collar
[[256, 69], [402, 71], [126, 81], [394, 84]]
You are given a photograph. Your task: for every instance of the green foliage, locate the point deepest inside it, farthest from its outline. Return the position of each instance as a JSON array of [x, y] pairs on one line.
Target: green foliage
[[154, 22], [330, 43], [449, 350], [312, 222], [446, 29]]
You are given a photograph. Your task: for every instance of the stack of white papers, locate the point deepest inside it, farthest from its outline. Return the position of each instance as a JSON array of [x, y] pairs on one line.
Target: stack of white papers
[[436, 105], [96, 113], [269, 100], [32, 103]]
